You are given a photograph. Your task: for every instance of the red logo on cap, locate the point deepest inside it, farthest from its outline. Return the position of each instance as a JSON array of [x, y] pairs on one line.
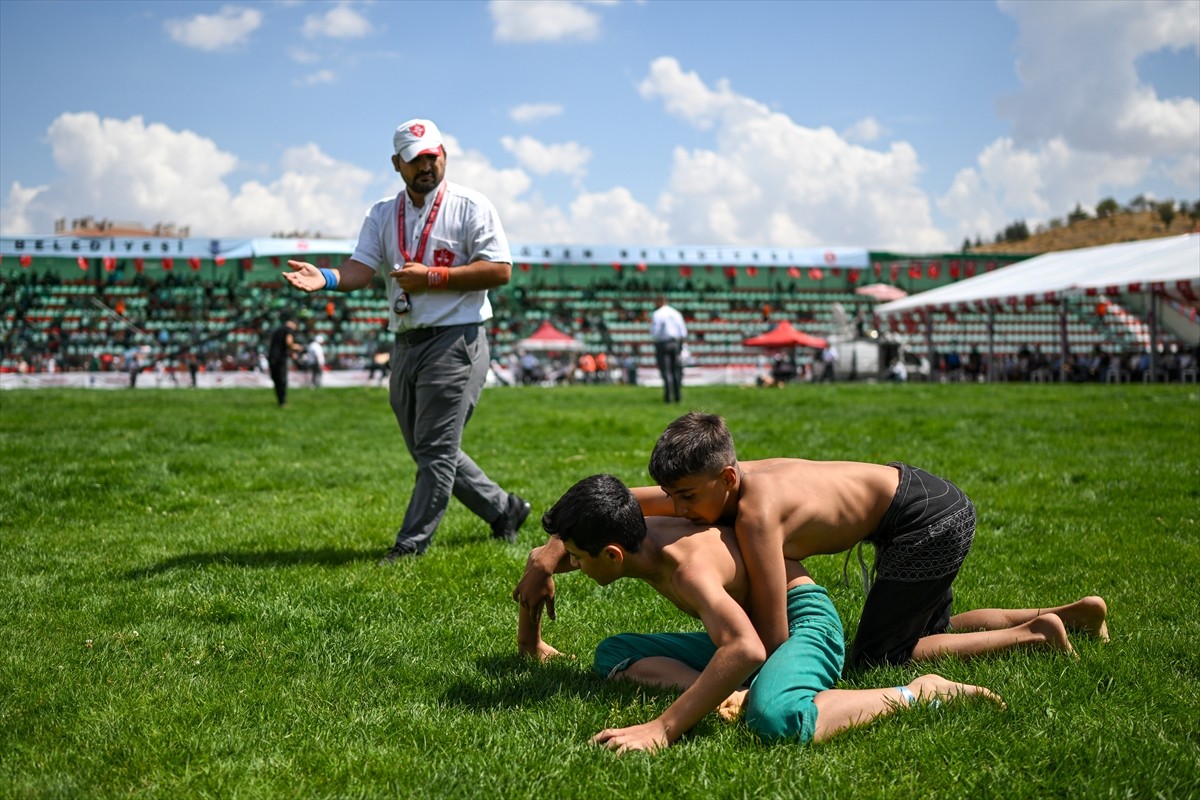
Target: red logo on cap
[[417, 130]]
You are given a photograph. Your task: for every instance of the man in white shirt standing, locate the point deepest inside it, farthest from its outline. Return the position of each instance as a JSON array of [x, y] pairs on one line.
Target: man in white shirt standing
[[445, 248], [669, 332]]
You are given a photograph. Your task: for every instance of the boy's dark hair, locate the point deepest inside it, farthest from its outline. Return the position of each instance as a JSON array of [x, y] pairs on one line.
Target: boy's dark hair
[[694, 444], [596, 512]]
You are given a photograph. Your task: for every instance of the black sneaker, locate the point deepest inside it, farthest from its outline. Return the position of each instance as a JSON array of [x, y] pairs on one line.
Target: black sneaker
[[511, 520], [395, 554]]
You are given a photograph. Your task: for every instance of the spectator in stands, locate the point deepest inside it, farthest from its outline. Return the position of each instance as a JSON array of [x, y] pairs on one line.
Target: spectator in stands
[[898, 371], [669, 332], [451, 250], [630, 366], [315, 360], [829, 357], [282, 350]]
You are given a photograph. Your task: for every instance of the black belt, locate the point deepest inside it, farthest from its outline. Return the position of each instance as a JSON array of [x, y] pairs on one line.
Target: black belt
[[418, 335]]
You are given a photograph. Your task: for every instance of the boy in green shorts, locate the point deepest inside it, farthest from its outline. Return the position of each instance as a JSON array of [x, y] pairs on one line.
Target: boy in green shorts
[[787, 696]]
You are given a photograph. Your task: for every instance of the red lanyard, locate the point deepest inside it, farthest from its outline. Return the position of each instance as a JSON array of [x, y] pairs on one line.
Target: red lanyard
[[402, 201]]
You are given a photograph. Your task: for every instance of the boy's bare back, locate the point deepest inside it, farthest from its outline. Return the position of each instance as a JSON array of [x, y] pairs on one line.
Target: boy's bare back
[[823, 507], [689, 555]]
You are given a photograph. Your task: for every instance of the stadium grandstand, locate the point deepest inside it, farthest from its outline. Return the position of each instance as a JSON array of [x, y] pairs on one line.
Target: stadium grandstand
[[80, 303]]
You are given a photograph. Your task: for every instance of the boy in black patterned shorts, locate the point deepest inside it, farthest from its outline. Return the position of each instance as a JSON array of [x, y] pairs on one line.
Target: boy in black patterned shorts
[[790, 508]]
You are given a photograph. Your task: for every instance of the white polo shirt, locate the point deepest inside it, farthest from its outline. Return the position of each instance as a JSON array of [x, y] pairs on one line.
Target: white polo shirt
[[467, 229]]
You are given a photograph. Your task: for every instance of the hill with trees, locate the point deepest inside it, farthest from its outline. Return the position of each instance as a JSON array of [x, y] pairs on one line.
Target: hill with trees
[[1109, 224]]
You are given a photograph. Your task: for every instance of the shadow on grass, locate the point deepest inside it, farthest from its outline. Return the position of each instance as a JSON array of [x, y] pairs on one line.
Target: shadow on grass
[[258, 559], [510, 681]]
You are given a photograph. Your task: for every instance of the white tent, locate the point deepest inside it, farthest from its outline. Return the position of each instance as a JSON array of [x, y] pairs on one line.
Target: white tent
[[1168, 267]]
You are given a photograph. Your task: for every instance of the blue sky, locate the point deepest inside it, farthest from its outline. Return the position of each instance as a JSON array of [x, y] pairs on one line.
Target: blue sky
[[871, 124]]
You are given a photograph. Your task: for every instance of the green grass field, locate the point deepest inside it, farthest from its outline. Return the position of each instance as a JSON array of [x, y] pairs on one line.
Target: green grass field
[[190, 603]]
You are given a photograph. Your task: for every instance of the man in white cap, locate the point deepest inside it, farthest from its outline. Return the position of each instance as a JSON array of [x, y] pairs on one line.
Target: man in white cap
[[444, 247]]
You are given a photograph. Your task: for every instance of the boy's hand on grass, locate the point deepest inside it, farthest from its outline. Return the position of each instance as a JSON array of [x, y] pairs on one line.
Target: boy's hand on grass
[[649, 736]]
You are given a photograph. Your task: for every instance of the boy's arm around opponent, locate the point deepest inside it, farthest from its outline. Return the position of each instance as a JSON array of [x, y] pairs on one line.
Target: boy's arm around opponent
[[739, 653]]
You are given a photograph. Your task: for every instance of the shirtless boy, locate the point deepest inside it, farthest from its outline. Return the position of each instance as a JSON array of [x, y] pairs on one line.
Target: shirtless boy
[[789, 508], [700, 570]]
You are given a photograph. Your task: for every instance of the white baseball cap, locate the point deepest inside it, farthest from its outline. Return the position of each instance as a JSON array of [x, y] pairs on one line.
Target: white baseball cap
[[417, 137]]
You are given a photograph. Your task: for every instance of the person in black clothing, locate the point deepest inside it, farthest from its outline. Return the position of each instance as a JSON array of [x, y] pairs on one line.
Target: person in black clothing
[[279, 357]]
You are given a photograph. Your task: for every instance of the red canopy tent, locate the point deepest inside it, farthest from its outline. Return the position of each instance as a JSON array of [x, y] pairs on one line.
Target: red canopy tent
[[784, 335], [550, 339]]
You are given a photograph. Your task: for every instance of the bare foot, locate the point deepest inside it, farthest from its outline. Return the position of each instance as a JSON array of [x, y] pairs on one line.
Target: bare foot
[[1051, 627], [541, 652], [731, 707], [933, 687], [1088, 616]]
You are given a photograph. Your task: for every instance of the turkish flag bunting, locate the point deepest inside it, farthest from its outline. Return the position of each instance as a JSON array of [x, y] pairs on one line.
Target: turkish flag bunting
[[641, 267], [220, 261], [168, 264], [793, 272], [82, 262], [110, 263], [914, 269], [139, 264], [751, 271], [816, 274], [26, 260], [194, 263], [935, 269], [731, 272], [685, 271]]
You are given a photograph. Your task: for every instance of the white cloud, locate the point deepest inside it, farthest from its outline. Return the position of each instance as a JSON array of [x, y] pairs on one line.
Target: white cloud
[[231, 26], [340, 22], [1079, 81], [615, 217], [18, 213], [570, 158], [534, 112], [321, 76], [542, 21], [1009, 183], [302, 56], [771, 181], [865, 130], [128, 169]]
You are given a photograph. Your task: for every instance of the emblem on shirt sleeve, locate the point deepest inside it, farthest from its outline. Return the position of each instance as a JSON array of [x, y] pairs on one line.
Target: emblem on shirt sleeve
[[443, 257]]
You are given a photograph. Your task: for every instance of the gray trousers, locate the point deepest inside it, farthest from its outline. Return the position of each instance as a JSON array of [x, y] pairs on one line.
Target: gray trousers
[[435, 385]]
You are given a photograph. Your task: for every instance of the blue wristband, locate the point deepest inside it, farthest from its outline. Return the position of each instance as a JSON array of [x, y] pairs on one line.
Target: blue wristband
[[331, 280]]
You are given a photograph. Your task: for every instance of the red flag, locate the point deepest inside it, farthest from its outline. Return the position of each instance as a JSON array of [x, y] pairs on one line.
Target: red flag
[[793, 272], [139, 264], [853, 275], [82, 262], [752, 270], [641, 267], [247, 264], [523, 267], [935, 269], [878, 269], [685, 271], [970, 269], [25, 259], [220, 261], [617, 266], [110, 263], [914, 269], [816, 274], [275, 260], [168, 264], [895, 272], [194, 263], [730, 272], [954, 270]]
